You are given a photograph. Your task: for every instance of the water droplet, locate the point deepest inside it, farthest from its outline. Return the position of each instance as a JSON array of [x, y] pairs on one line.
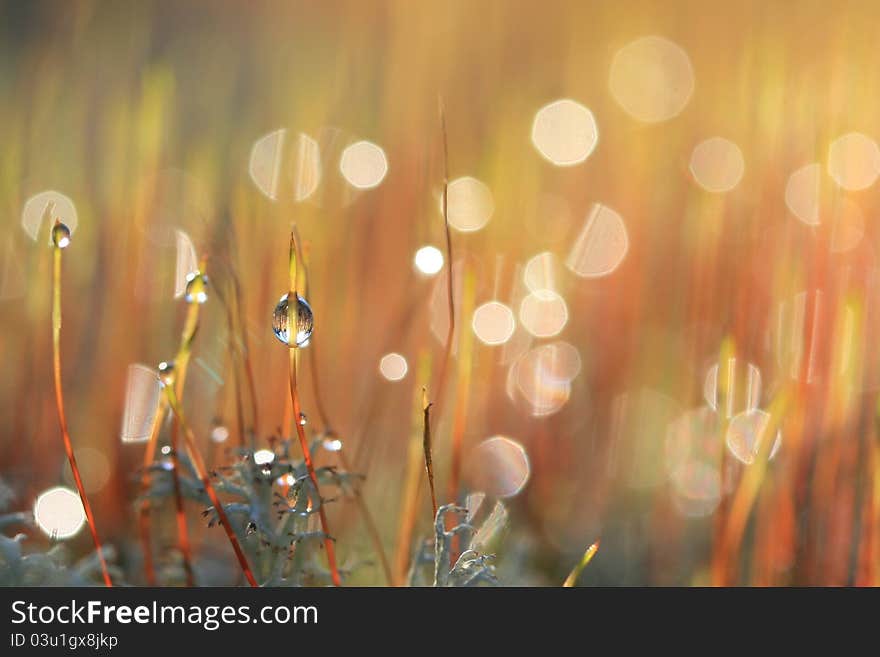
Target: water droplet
[[196, 288], [303, 420], [286, 480], [305, 322], [332, 444], [60, 235], [264, 456], [166, 450], [166, 373]]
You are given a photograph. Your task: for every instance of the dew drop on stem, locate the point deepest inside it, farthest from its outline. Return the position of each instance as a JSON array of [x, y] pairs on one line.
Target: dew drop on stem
[[60, 235], [196, 288], [166, 373], [303, 321]]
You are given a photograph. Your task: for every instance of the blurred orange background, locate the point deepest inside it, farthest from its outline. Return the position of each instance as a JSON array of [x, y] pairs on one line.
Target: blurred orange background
[[146, 116]]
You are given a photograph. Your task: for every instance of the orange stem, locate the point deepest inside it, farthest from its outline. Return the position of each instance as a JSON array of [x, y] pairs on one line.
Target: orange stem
[[301, 433], [202, 473], [59, 402]]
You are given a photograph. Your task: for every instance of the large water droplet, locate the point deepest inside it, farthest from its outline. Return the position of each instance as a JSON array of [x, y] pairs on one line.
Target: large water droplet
[[304, 322], [60, 235], [196, 288]]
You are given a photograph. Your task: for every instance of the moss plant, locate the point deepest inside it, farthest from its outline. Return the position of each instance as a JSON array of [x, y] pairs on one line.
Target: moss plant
[[297, 413], [201, 472], [180, 366], [60, 241], [433, 563], [269, 508]]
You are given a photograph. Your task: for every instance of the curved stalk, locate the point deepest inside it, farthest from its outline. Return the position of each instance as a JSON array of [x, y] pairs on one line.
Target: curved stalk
[[59, 403]]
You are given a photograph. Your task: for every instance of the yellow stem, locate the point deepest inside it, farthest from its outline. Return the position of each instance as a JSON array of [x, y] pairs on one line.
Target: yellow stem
[[181, 362], [589, 553]]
